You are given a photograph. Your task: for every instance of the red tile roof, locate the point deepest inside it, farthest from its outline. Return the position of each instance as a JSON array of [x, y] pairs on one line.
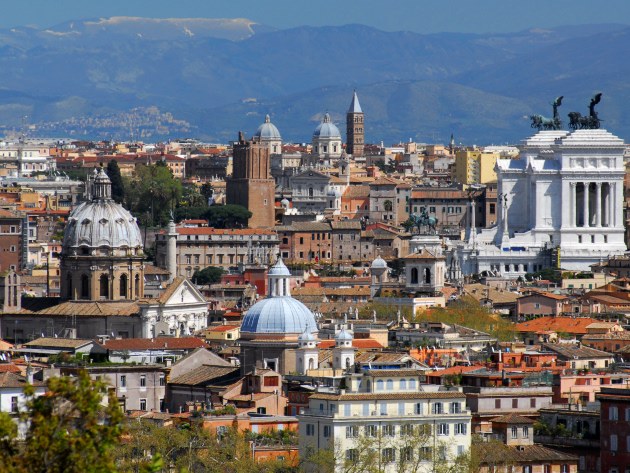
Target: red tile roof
[[363, 343], [222, 328], [568, 325], [220, 231]]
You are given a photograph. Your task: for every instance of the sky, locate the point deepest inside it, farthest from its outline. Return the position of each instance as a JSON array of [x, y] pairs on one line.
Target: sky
[[422, 16]]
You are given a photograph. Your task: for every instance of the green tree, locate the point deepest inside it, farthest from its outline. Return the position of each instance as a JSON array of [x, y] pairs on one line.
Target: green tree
[[70, 430], [191, 197], [185, 213], [228, 216], [118, 188], [208, 275], [153, 191]]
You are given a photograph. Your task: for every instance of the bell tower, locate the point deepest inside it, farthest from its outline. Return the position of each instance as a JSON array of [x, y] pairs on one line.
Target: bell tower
[[355, 135]]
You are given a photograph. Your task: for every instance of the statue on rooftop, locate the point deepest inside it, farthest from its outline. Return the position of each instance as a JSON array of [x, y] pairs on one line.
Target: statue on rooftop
[[592, 121], [543, 123]]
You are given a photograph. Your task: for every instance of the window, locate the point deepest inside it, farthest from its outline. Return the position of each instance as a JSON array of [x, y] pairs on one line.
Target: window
[[162, 405], [389, 430], [564, 468], [143, 404], [352, 431], [327, 431], [514, 403], [123, 381], [437, 408], [461, 429], [389, 455], [443, 429], [162, 380], [143, 381], [526, 432], [310, 430], [527, 469], [613, 443], [532, 402], [456, 408], [426, 453], [14, 403], [613, 413], [406, 453], [352, 455], [406, 429], [371, 430], [390, 385], [546, 468], [412, 384], [514, 432], [418, 408]]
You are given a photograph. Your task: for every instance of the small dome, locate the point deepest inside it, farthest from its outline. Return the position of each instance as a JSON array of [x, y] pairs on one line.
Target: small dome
[[279, 315], [268, 131], [327, 129], [279, 269], [306, 336], [285, 203], [379, 263], [343, 335]]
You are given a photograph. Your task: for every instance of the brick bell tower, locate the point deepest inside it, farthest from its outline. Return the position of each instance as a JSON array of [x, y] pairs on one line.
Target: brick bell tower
[[251, 184], [355, 134]]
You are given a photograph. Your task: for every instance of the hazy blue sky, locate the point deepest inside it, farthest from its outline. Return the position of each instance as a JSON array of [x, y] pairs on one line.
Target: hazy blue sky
[[428, 16]]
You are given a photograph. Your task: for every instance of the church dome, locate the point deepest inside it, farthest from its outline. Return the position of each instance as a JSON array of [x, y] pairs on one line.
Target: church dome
[[327, 129], [101, 223], [279, 315], [279, 269], [343, 336], [267, 131]]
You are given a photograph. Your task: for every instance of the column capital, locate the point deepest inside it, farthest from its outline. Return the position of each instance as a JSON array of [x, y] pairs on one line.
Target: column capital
[[573, 184], [599, 184]]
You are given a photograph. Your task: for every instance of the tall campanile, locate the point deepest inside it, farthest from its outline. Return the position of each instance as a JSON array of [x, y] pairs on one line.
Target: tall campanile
[[354, 128], [251, 184]]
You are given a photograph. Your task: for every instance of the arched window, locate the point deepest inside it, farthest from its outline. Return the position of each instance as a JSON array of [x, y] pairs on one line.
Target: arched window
[[311, 364], [69, 286], [310, 192], [379, 385], [85, 287], [427, 275], [390, 385], [414, 275], [137, 285], [403, 384], [123, 286], [347, 363], [412, 383], [104, 286]]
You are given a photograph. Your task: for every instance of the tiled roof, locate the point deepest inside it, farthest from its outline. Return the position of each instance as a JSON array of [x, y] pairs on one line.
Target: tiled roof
[[549, 295], [570, 325], [388, 396], [363, 343], [311, 226], [46, 306], [357, 192], [438, 193], [183, 343], [346, 225], [9, 368], [152, 269], [170, 290], [222, 328], [58, 342], [487, 453], [512, 419], [13, 380], [205, 374], [220, 231], [573, 352], [384, 181], [330, 291], [394, 373]]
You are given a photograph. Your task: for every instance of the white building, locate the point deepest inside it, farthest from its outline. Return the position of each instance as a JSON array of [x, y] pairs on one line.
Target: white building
[[561, 205], [327, 140], [268, 134], [29, 158], [387, 418]]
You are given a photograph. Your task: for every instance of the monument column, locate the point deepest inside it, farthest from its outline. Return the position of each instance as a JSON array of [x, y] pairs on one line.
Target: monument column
[[598, 204], [572, 204], [585, 212]]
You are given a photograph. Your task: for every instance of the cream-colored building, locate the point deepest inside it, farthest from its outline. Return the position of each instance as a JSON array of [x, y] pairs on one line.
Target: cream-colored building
[[475, 167], [386, 418]]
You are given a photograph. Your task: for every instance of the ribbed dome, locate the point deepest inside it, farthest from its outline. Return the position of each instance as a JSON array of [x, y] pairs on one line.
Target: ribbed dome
[[101, 222], [268, 131], [279, 315], [343, 335], [307, 336], [327, 129], [279, 269]]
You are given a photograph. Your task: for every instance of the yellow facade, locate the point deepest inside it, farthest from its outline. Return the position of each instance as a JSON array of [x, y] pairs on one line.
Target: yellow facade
[[475, 167]]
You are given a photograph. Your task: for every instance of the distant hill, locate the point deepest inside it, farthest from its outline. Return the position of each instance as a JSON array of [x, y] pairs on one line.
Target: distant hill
[[224, 75]]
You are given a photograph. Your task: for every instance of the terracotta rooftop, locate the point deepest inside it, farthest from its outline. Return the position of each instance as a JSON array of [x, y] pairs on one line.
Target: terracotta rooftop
[[487, 453], [205, 374], [357, 192], [222, 231], [512, 419], [222, 328], [58, 342], [570, 325], [363, 343]]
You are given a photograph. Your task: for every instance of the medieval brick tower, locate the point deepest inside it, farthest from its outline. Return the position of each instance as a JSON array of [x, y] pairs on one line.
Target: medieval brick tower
[[354, 128], [251, 184]]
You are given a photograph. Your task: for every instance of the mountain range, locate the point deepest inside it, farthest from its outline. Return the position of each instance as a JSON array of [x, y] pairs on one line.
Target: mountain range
[[223, 75]]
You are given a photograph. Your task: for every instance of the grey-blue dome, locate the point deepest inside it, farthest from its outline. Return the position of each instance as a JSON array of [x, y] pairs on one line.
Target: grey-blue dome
[[327, 129], [279, 315], [268, 131]]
